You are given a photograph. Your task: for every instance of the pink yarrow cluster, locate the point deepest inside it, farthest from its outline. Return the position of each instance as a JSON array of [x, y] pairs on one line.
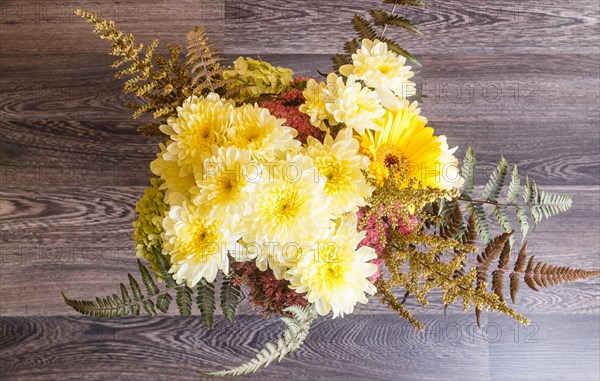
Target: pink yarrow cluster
[[378, 225]]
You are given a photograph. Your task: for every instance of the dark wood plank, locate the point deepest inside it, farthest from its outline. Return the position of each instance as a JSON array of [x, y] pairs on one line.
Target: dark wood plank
[[353, 348], [47, 27], [459, 27]]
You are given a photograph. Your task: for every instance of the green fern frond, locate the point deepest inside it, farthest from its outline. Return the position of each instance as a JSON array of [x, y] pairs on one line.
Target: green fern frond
[[205, 299], [396, 48], [540, 204], [411, 3], [116, 306], [183, 299], [496, 181], [297, 329], [468, 171], [151, 288], [230, 298], [382, 18], [363, 28], [481, 222]]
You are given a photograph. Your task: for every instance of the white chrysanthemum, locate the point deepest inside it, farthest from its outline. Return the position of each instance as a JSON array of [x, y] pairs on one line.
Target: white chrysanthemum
[[200, 123], [355, 106], [289, 204], [165, 166], [450, 173], [226, 182], [265, 136], [314, 105], [340, 166], [335, 275], [379, 67], [197, 245]]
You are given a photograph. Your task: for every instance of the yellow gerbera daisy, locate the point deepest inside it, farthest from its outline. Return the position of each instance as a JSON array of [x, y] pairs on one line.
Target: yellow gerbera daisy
[[405, 139], [335, 274], [340, 166]]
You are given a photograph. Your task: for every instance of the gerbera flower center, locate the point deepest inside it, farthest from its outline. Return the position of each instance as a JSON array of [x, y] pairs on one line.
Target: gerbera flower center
[[389, 155]]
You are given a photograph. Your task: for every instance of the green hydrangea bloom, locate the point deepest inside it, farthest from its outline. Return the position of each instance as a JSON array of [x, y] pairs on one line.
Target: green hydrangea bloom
[[258, 78], [151, 209]]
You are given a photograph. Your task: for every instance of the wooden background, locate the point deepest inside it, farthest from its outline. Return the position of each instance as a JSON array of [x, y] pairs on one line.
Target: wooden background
[[518, 78]]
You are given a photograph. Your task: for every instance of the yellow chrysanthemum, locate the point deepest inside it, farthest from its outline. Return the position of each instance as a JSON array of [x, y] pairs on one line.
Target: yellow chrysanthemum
[[265, 136], [200, 123], [335, 275], [197, 245], [404, 139], [352, 104], [379, 67], [226, 181], [165, 166], [340, 166], [289, 205], [314, 105]]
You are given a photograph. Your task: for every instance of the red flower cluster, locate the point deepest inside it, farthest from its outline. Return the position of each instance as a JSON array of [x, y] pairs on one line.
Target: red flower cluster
[[267, 293], [286, 106]]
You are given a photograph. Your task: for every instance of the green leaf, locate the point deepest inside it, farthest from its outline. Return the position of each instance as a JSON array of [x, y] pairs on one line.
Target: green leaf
[[411, 3], [350, 47], [163, 266], [468, 171], [496, 181], [393, 46], [339, 60], [149, 307], [514, 186], [163, 302], [135, 288], [184, 300], [297, 329], [501, 214], [383, 18], [205, 299], [125, 294], [363, 28], [147, 279], [230, 297], [481, 224]]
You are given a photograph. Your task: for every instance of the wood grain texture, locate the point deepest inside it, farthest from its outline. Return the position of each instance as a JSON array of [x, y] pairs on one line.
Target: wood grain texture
[[518, 78], [378, 348], [459, 27]]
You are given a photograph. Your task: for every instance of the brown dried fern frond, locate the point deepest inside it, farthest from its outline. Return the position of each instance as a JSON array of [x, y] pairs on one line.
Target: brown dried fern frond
[[203, 61], [160, 83]]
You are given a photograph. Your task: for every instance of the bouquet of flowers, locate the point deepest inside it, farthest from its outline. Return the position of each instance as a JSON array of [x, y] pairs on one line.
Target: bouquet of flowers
[[313, 194]]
